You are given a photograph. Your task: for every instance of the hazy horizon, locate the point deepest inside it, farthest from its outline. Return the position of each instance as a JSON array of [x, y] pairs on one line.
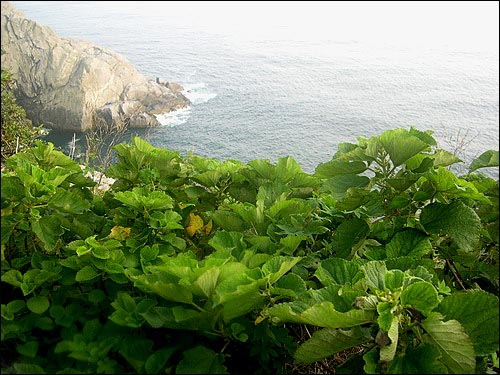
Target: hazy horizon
[[469, 25]]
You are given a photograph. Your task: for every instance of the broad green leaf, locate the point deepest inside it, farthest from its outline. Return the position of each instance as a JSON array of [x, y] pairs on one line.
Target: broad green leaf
[[227, 220], [141, 198], [28, 349], [455, 346], [375, 274], [209, 178], [174, 240], [287, 168], [486, 159], [425, 136], [135, 351], [271, 193], [38, 305], [91, 329], [160, 285], [33, 278], [290, 243], [393, 279], [96, 296], [322, 314], [69, 202], [387, 352], [48, 229], [477, 312], [12, 189], [340, 167], [48, 157], [277, 266], [446, 182], [456, 220], [286, 208], [223, 240], [401, 184], [291, 285], [411, 243], [144, 305], [338, 185], [252, 215], [385, 315], [208, 281], [401, 145], [178, 317], [263, 167], [124, 302], [420, 163], [423, 359], [369, 302], [329, 341], [13, 277], [251, 259], [443, 158], [241, 301], [408, 263], [28, 368], [165, 220], [158, 360], [420, 295], [100, 252], [184, 265], [149, 253], [371, 359], [16, 306], [338, 271], [9, 222], [365, 150], [348, 234], [355, 198], [201, 360], [86, 273]]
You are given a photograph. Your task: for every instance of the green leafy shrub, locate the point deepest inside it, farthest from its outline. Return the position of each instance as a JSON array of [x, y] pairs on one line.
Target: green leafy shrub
[[193, 265], [18, 134]]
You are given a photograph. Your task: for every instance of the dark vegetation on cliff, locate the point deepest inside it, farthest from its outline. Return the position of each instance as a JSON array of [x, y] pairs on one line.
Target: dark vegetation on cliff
[[18, 133], [382, 261]]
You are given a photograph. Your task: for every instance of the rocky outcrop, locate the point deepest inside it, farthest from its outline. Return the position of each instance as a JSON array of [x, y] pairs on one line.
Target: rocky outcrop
[[67, 84]]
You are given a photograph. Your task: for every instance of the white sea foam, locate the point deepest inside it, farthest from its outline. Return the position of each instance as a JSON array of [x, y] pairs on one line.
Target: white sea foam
[[174, 118], [198, 93]]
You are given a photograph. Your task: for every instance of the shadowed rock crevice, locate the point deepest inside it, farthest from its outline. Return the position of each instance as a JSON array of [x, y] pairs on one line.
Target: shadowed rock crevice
[[64, 83]]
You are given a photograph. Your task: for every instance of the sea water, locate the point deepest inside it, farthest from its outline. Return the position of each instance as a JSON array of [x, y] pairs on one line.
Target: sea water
[[271, 90]]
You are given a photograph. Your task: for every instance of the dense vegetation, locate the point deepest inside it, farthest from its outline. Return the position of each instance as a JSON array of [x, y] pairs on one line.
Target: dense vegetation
[[382, 261], [18, 133]]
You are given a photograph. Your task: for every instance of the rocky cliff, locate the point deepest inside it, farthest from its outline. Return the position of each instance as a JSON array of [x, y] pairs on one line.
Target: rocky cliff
[[68, 84]]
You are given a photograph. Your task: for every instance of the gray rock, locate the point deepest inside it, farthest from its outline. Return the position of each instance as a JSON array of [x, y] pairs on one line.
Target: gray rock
[[65, 83]]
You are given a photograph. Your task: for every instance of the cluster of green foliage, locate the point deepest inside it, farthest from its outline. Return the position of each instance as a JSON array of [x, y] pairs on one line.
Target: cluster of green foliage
[[194, 265], [18, 133]]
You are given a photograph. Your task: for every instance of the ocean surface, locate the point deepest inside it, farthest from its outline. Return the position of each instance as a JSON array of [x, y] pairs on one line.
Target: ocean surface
[[272, 90]]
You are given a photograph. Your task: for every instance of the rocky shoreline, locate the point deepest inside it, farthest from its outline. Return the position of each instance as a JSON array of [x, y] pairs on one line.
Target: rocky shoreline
[[70, 85]]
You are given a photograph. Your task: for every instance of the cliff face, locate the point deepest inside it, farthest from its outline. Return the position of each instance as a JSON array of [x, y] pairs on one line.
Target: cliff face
[[64, 83]]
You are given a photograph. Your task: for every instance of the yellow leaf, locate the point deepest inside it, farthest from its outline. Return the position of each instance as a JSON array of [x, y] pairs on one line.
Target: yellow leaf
[[259, 319], [119, 233], [208, 227], [6, 211], [195, 224]]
